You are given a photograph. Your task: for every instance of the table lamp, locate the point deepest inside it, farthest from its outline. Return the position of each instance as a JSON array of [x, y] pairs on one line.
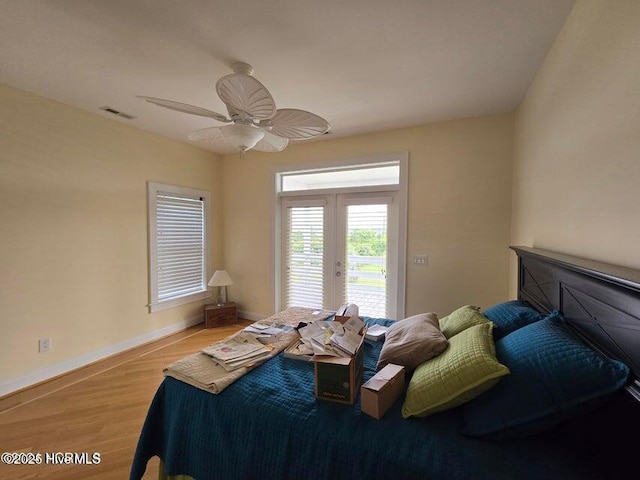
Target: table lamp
[[221, 279]]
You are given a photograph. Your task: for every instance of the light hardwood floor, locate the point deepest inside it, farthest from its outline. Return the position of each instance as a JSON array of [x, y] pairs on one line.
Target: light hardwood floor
[[103, 413]]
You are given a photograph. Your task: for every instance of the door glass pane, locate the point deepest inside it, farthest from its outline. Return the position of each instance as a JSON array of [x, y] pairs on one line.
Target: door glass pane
[[304, 257], [366, 279]]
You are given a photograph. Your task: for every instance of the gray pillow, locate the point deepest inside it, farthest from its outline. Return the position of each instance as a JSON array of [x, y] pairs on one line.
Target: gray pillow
[[412, 341]]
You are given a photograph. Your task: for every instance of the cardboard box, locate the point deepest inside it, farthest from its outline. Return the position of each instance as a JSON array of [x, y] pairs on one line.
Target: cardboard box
[[382, 390], [338, 379]]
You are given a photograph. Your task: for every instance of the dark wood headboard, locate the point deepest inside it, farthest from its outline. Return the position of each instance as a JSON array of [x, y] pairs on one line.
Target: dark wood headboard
[[600, 301]]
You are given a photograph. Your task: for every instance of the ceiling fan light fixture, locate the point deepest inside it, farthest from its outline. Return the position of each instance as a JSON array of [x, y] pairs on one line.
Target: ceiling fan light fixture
[[256, 122], [243, 137]]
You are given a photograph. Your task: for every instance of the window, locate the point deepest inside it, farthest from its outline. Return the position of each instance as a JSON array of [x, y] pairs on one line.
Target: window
[[340, 248], [341, 235], [304, 254], [366, 249], [373, 175], [177, 245]]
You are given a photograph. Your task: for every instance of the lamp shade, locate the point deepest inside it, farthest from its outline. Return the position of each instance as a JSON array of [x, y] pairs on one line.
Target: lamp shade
[[220, 279]]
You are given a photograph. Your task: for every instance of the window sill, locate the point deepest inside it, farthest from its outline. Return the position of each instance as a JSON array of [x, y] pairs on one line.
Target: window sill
[[175, 302]]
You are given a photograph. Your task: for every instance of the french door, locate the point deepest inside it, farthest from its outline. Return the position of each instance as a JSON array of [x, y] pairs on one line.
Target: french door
[[340, 248]]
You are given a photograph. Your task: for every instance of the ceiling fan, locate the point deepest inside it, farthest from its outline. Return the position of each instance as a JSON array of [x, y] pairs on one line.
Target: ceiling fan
[[254, 121]]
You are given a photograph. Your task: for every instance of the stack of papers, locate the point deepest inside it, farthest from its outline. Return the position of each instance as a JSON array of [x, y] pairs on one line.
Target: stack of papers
[[237, 352], [299, 351], [266, 330], [331, 338]]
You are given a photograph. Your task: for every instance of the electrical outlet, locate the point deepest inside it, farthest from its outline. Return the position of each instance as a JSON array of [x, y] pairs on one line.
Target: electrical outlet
[[44, 345], [420, 260]]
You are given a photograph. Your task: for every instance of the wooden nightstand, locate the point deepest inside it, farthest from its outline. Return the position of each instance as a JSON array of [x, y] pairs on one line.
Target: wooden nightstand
[[215, 316]]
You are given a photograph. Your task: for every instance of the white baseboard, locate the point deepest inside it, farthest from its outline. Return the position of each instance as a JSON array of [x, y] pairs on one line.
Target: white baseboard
[[14, 384]]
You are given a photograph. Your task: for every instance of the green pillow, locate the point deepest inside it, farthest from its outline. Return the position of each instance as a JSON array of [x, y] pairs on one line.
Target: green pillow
[[464, 371], [461, 319]]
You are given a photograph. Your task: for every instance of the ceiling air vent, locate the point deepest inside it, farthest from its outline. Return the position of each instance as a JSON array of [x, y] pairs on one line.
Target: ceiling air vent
[[117, 112]]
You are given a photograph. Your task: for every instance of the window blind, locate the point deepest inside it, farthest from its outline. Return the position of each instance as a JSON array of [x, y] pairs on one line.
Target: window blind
[[304, 257], [366, 281], [181, 257]]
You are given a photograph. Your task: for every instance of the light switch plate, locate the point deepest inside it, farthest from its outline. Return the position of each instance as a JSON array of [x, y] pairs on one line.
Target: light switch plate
[[420, 260], [44, 345]]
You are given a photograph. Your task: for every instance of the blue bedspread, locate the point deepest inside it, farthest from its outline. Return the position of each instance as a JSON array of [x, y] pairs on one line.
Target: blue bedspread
[[269, 425]]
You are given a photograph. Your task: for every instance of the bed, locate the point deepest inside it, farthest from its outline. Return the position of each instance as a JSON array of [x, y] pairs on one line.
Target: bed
[[268, 423]]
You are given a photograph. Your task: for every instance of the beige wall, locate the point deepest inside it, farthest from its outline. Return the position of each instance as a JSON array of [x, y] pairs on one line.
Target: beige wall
[[576, 185], [459, 211], [73, 214]]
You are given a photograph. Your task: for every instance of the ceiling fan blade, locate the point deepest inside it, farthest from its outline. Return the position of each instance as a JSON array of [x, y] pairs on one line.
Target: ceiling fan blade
[[297, 124], [271, 143], [185, 108], [204, 134], [245, 94]]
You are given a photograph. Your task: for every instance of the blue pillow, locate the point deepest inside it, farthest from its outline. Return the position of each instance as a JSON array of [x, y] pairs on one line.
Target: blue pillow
[[510, 316], [554, 376]]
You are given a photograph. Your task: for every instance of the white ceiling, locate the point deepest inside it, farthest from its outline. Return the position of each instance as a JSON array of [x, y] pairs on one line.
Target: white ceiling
[[364, 65]]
